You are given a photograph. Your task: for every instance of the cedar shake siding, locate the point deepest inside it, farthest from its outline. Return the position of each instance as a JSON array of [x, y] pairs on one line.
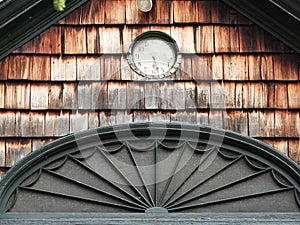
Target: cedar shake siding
[[75, 76]]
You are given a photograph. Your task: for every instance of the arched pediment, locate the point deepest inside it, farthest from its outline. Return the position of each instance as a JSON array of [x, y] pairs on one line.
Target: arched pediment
[[152, 167]]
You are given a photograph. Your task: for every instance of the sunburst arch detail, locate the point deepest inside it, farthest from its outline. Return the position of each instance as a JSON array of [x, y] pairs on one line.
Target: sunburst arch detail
[[153, 167]]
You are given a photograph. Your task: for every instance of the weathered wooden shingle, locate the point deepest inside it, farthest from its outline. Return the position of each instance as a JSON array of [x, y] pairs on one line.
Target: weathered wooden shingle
[[93, 40], [251, 39], [84, 95], [39, 96], [63, 68], [286, 67], [37, 124], [17, 96], [115, 12], [2, 96], [135, 95], [235, 67], [185, 11], [2, 153], [205, 39], [226, 39], [16, 150], [116, 95], [74, 40], [78, 121], [99, 95], [41, 69], [281, 96], [184, 37], [294, 95], [110, 40], [4, 66], [88, 68], [57, 124], [55, 97], [203, 94], [202, 67], [236, 121], [20, 67], [70, 95]]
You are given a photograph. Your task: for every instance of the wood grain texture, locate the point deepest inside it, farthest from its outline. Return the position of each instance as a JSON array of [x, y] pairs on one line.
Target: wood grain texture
[[110, 67], [281, 96], [99, 95], [185, 11], [286, 67], [202, 67], [84, 95], [74, 40], [152, 95], [235, 67], [184, 37], [267, 67], [16, 150], [117, 96], [184, 117], [135, 95], [37, 124], [41, 68], [70, 96], [88, 68], [39, 96], [17, 95], [4, 67], [294, 95], [93, 40], [110, 40], [204, 95], [20, 67], [2, 96], [115, 12], [237, 121], [205, 39], [63, 68], [2, 153], [55, 96], [78, 121], [172, 96], [226, 39], [254, 67], [57, 124], [294, 153], [251, 39]]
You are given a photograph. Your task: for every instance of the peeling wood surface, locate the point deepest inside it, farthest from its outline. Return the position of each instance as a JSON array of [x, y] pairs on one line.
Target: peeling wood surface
[[75, 76]]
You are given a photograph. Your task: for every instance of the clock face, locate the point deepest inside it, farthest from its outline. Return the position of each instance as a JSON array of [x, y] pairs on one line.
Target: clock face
[[154, 54]]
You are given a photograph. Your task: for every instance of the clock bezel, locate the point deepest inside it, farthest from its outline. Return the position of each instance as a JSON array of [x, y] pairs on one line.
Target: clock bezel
[[160, 35]]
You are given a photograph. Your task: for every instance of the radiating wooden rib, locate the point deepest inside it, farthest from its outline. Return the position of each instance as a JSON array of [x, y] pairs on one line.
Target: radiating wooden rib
[[127, 180], [171, 148], [16, 192], [142, 149], [59, 165], [140, 175], [202, 182], [220, 188], [155, 174], [187, 178], [171, 176], [92, 188], [231, 199], [108, 181], [33, 181], [80, 198], [255, 166]]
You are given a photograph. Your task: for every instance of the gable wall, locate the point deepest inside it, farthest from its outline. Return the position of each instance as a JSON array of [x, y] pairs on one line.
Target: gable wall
[[75, 76]]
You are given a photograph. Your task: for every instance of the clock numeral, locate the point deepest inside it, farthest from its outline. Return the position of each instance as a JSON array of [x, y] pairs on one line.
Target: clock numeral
[[139, 64], [137, 56], [141, 49], [146, 43]]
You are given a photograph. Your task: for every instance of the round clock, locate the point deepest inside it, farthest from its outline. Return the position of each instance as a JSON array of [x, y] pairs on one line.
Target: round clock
[[154, 54]]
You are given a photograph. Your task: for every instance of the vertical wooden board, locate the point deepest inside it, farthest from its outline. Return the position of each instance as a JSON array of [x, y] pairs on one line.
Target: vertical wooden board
[[110, 40], [254, 67], [202, 67], [41, 69], [152, 95], [84, 95], [57, 124], [205, 39], [110, 67], [239, 97], [253, 95], [226, 39], [88, 68], [218, 95], [2, 153], [17, 96], [230, 95], [2, 96], [267, 123], [184, 37], [63, 124], [281, 123], [116, 95], [91, 12], [254, 123], [294, 153], [39, 96], [115, 12], [204, 94], [184, 117], [286, 67], [78, 122], [160, 13], [217, 67], [184, 11], [9, 122], [48, 42], [204, 11], [93, 120], [190, 95], [55, 97], [37, 124], [63, 68], [281, 96], [99, 95], [236, 121], [4, 67], [16, 149], [172, 96], [135, 95], [294, 95], [185, 71], [93, 40], [202, 118], [20, 67], [74, 40], [215, 118], [267, 67], [268, 90], [235, 67], [281, 145], [23, 127], [70, 96], [251, 39]]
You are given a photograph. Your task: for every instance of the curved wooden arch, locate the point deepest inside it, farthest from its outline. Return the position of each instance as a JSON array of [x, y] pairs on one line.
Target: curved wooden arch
[[152, 167]]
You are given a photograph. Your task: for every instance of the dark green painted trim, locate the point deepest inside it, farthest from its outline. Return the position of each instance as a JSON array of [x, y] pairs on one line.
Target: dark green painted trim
[[171, 131], [137, 219], [20, 21], [279, 20]]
